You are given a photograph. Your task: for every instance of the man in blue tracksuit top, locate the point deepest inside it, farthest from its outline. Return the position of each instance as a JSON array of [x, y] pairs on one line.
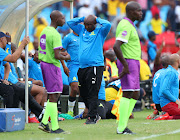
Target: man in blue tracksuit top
[[91, 60], [156, 87], [169, 89], [156, 81]]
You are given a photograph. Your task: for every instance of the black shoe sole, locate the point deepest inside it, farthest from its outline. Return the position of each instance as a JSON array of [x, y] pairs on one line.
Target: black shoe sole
[[64, 132], [41, 128]]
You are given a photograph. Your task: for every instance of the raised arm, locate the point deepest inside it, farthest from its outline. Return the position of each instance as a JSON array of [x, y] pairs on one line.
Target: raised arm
[[158, 54], [13, 58], [74, 24], [106, 25]]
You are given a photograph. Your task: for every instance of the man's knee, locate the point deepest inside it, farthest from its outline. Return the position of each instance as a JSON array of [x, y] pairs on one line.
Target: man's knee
[[54, 97], [74, 89], [38, 82]]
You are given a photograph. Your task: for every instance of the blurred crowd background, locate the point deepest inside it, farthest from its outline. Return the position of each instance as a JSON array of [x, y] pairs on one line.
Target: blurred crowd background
[[161, 16]]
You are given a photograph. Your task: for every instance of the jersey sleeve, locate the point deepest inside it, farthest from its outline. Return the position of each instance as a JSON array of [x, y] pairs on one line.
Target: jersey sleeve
[[74, 24], [123, 32], [65, 42], [3, 54], [4, 62], [57, 41], [106, 26]]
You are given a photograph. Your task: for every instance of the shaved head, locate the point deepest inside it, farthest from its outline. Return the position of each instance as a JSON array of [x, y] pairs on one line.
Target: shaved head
[[90, 18], [165, 60], [55, 14], [90, 23], [132, 6], [133, 11], [110, 55], [174, 58], [57, 18]]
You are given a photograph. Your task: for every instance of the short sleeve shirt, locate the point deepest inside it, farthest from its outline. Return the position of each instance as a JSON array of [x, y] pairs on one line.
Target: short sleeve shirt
[[71, 44], [35, 70], [3, 55], [126, 32], [50, 40]]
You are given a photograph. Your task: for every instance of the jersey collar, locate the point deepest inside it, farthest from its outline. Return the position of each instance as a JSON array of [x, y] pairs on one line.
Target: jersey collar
[[129, 20]]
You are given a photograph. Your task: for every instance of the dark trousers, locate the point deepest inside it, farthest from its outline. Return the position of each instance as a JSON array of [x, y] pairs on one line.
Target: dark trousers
[[89, 84], [19, 95], [104, 110], [7, 93]]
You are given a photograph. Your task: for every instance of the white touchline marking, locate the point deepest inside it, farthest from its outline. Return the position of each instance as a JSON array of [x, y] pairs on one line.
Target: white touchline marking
[[146, 123], [153, 136], [159, 121]]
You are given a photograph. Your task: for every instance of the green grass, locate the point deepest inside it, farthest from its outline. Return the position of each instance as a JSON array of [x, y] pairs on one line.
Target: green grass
[[104, 130]]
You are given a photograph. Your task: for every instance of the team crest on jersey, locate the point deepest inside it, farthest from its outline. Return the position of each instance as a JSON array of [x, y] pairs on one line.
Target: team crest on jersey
[[92, 33], [7, 50], [101, 105], [74, 79], [124, 33]]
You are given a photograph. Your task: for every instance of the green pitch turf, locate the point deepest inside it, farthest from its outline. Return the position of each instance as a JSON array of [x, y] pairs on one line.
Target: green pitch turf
[[103, 130]]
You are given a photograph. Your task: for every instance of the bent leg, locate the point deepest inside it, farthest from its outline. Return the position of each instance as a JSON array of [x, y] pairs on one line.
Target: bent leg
[[37, 92], [7, 92], [72, 97], [172, 109]]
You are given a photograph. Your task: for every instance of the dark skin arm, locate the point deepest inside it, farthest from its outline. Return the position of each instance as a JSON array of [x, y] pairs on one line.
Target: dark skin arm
[[6, 73], [113, 79], [13, 58], [179, 50], [66, 70], [176, 39], [157, 58], [119, 55], [36, 82], [22, 79], [23, 57], [61, 55]]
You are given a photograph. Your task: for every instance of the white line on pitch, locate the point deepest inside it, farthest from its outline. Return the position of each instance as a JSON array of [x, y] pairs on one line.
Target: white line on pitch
[[153, 136]]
